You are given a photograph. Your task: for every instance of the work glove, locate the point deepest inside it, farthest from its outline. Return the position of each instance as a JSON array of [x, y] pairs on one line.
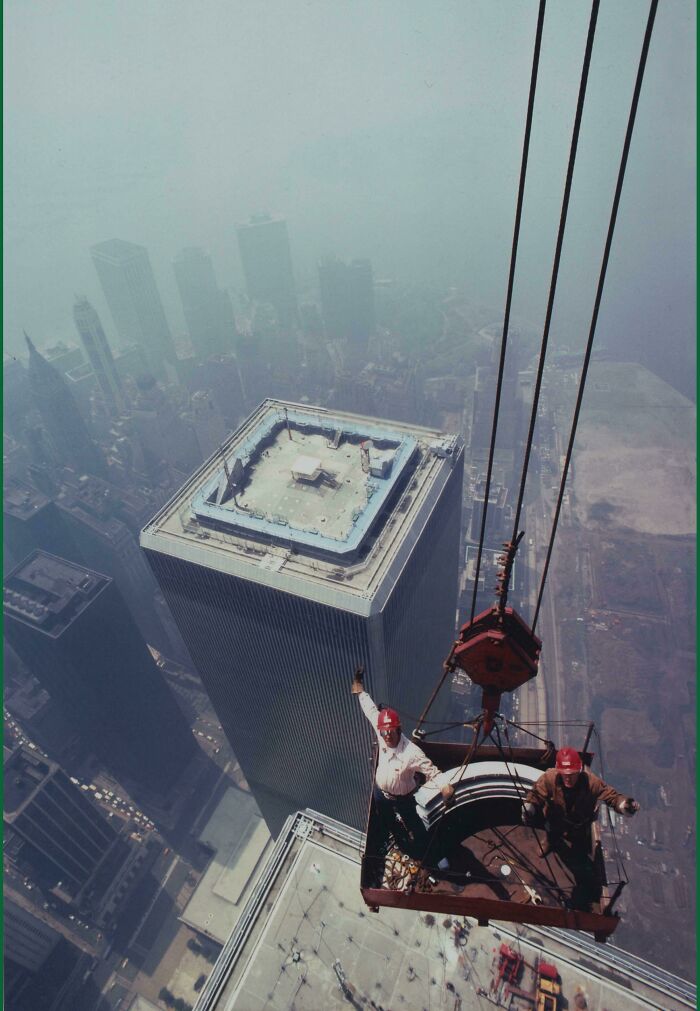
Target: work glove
[[630, 806], [448, 794], [358, 681], [528, 812]]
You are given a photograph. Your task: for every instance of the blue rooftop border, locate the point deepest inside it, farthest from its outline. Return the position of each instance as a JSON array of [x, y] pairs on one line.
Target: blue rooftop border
[[379, 488]]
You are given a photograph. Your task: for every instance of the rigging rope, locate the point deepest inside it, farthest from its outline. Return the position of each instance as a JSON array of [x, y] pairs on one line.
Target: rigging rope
[[509, 294], [557, 258], [599, 293]]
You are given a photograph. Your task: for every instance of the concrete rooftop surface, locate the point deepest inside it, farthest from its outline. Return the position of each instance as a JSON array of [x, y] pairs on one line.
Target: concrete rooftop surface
[[307, 941], [239, 838]]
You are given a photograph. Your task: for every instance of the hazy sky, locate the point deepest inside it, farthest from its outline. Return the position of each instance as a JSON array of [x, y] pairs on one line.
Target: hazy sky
[[391, 130]]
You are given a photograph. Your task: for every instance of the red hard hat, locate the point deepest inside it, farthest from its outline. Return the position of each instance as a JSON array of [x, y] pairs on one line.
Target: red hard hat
[[569, 760], [388, 719]]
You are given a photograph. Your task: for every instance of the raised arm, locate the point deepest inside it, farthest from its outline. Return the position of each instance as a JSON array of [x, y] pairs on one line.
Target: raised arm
[[368, 708], [366, 704], [610, 796]]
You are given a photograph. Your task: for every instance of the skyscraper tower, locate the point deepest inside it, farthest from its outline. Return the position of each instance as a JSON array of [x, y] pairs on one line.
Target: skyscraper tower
[[324, 540], [72, 629], [208, 310], [126, 276], [16, 396], [267, 265], [67, 836], [31, 520], [347, 301], [99, 355], [105, 543], [62, 419]]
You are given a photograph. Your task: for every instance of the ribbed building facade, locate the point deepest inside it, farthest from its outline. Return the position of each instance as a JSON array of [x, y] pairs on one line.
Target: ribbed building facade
[[275, 630]]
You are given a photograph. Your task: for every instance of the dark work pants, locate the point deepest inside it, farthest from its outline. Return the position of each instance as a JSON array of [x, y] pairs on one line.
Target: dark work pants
[[573, 849], [414, 839]]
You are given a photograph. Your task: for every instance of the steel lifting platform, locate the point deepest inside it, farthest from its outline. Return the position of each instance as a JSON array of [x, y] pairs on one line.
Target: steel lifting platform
[[499, 868]]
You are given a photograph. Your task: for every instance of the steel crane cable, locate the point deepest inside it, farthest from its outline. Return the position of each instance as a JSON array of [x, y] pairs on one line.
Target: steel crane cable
[[509, 294], [599, 293], [620, 863], [557, 258], [519, 791]]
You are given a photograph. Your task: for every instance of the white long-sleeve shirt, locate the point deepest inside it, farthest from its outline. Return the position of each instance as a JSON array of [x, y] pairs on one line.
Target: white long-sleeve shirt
[[396, 767]]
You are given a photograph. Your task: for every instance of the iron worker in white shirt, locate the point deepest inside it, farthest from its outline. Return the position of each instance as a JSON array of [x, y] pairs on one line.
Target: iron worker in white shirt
[[399, 761]]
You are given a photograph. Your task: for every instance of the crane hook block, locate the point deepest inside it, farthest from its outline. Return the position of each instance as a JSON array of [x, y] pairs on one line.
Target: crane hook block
[[498, 650]]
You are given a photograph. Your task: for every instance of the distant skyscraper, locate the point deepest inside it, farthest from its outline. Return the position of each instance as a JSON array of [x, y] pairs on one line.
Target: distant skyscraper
[[324, 541], [221, 375], [16, 396], [31, 521], [66, 834], [104, 542], [62, 419], [208, 310], [129, 286], [347, 300], [72, 629], [205, 424], [267, 265], [99, 355]]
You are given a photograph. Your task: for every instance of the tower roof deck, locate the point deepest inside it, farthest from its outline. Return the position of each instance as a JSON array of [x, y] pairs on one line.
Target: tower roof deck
[[315, 502], [320, 484], [117, 250]]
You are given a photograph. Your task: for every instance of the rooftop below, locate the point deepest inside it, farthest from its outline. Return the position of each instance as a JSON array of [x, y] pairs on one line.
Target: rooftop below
[[239, 838], [49, 593], [307, 940], [22, 501], [25, 772]]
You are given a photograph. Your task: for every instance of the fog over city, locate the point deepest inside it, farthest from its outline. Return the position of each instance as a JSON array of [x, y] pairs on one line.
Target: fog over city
[[273, 488], [389, 130]]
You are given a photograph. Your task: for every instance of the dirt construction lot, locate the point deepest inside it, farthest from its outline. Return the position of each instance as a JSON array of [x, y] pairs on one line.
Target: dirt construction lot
[[651, 491]]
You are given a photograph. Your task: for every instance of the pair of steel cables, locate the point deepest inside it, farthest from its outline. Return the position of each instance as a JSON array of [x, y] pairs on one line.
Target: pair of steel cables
[[553, 285]]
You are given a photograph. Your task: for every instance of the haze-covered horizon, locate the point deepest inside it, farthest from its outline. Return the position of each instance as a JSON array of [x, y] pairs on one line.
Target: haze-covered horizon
[[389, 131]]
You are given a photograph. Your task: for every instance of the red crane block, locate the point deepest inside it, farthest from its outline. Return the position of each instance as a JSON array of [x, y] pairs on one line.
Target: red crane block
[[498, 650]]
